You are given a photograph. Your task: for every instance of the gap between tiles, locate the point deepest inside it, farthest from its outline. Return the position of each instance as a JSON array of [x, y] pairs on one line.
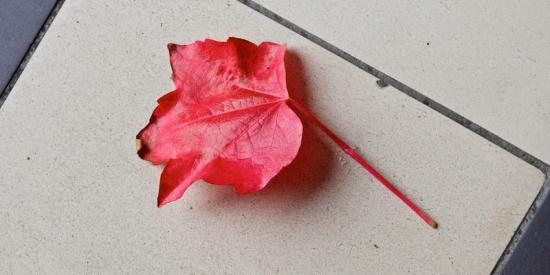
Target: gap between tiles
[[30, 51], [386, 80]]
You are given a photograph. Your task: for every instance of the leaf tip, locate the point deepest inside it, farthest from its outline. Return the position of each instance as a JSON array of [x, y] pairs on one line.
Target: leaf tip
[[171, 47], [138, 144], [162, 201], [142, 149], [160, 204]]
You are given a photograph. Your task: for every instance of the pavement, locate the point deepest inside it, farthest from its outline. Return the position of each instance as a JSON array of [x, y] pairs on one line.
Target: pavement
[[446, 99]]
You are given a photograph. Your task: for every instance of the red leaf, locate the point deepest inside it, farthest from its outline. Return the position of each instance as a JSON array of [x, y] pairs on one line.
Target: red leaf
[[227, 121]]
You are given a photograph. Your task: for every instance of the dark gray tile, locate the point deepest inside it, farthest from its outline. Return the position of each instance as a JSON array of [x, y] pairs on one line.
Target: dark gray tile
[[532, 254], [20, 21]]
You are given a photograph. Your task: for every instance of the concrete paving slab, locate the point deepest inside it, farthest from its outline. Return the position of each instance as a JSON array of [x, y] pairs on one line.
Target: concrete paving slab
[[76, 198], [20, 21], [489, 61]]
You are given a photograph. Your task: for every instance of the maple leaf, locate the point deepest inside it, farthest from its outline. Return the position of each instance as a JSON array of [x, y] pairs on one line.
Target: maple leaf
[[227, 122]]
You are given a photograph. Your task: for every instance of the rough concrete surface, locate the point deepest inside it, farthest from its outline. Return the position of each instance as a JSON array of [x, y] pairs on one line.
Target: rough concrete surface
[[488, 61]]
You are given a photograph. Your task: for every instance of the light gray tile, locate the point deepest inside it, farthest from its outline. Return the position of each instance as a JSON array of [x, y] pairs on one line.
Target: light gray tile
[[487, 60]]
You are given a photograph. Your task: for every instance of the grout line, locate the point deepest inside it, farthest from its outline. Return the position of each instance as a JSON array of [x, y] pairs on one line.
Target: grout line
[[385, 80], [30, 51]]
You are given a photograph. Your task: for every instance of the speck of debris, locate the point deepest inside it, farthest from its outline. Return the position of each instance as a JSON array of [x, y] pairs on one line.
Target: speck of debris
[[376, 246], [381, 84], [428, 43], [77, 21], [28, 158], [190, 207]]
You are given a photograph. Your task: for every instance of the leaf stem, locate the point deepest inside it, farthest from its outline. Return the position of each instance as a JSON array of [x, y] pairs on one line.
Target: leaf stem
[[348, 150]]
